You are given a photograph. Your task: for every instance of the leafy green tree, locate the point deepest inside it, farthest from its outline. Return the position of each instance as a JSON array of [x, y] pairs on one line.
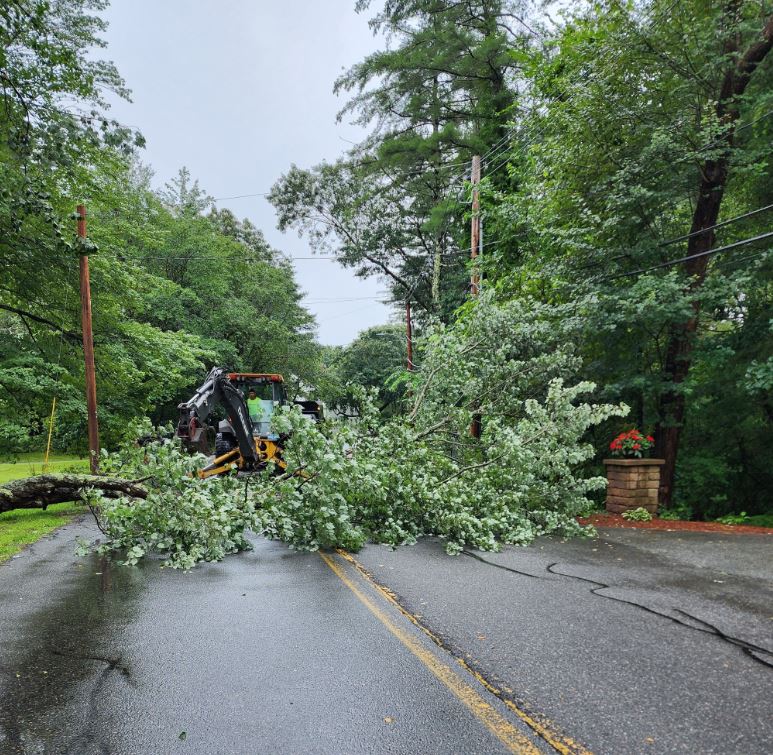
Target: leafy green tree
[[648, 121], [375, 359], [176, 285], [55, 144], [238, 300], [440, 93]]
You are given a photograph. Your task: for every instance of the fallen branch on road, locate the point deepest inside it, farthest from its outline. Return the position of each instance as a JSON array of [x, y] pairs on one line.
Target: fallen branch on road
[[43, 490]]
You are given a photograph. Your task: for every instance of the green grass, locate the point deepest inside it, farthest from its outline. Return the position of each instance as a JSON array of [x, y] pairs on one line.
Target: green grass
[[761, 520], [21, 527], [29, 465]]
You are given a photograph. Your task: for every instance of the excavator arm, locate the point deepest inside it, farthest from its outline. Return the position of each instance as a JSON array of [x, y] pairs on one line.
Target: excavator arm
[[217, 389]]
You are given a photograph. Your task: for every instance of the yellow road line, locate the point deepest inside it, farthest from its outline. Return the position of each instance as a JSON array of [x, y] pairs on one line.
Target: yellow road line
[[497, 724], [560, 743]]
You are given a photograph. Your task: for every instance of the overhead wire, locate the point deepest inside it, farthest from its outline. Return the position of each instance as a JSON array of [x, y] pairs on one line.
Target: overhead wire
[[231, 257], [717, 225], [440, 166], [502, 146], [338, 315], [738, 260], [242, 196], [709, 252], [345, 299], [516, 129], [627, 255]]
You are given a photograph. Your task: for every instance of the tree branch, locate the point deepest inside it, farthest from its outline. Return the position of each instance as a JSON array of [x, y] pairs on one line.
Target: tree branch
[[69, 334], [43, 490]]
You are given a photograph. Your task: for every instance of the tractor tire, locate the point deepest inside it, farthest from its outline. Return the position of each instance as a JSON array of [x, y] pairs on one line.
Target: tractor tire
[[223, 444]]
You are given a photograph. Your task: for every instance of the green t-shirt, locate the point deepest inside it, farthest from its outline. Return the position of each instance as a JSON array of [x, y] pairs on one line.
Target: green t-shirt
[[255, 409]]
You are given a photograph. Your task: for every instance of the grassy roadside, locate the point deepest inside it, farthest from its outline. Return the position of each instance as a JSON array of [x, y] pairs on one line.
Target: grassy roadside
[[21, 527], [760, 520]]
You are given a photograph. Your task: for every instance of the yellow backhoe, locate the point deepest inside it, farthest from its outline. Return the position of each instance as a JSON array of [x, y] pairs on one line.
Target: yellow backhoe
[[241, 444]]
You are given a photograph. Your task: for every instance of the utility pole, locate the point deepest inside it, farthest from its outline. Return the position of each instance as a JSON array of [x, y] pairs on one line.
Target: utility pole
[[409, 334], [88, 348], [475, 230], [475, 425]]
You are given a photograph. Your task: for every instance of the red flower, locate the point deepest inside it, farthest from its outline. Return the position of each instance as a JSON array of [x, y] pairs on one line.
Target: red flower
[[631, 443]]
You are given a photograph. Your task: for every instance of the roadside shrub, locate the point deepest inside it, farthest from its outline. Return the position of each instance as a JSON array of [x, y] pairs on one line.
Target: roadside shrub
[[741, 518], [639, 514]]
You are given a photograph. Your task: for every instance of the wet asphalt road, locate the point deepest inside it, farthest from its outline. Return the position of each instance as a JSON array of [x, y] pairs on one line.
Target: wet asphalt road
[[637, 642], [647, 645], [269, 651]]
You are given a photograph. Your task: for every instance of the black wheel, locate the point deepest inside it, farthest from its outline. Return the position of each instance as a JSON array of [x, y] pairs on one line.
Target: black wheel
[[223, 444]]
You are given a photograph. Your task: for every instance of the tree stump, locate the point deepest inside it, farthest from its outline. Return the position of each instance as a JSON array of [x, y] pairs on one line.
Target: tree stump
[[633, 484]]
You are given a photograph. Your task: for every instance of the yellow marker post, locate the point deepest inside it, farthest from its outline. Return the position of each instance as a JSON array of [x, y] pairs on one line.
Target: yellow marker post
[[50, 432]]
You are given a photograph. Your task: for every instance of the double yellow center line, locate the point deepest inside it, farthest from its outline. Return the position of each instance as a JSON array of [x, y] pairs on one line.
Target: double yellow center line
[[497, 724]]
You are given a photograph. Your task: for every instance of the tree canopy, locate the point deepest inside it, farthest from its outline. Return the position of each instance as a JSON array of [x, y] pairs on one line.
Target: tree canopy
[[620, 142], [177, 285]]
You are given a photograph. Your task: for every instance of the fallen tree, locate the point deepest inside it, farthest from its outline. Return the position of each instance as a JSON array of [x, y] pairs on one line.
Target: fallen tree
[[43, 490], [392, 480]]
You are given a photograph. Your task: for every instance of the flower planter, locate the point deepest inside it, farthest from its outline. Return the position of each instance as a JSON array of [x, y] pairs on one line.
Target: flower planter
[[633, 483]]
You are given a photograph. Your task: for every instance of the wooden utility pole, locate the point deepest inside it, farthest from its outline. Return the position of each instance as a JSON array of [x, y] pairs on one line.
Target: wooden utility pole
[[475, 230], [409, 334], [88, 349], [475, 425]]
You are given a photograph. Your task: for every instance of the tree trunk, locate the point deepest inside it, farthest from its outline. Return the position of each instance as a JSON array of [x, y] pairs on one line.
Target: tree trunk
[[43, 490], [714, 174], [437, 260]]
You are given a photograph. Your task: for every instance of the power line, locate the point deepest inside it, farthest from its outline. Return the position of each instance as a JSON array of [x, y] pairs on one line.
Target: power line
[[499, 147], [242, 196], [740, 128], [501, 163], [161, 257], [606, 261], [716, 142], [344, 299], [654, 22], [705, 147], [679, 261], [569, 99], [717, 225], [350, 312], [738, 260]]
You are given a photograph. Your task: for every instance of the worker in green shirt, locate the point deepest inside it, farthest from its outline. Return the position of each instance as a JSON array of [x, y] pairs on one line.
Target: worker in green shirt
[[254, 407]]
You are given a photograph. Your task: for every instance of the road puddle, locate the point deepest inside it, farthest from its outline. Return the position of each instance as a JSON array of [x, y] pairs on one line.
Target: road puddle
[[66, 652]]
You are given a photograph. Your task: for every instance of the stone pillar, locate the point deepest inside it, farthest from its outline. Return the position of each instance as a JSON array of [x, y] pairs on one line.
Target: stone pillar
[[633, 483]]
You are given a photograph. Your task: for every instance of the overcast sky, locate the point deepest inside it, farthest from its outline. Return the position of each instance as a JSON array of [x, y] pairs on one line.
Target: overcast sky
[[237, 90]]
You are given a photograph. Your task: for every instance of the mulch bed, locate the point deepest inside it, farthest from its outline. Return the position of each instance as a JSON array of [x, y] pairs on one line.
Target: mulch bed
[[615, 520]]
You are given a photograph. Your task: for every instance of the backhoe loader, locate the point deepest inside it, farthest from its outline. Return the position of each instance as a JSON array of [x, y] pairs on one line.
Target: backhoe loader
[[241, 445]]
